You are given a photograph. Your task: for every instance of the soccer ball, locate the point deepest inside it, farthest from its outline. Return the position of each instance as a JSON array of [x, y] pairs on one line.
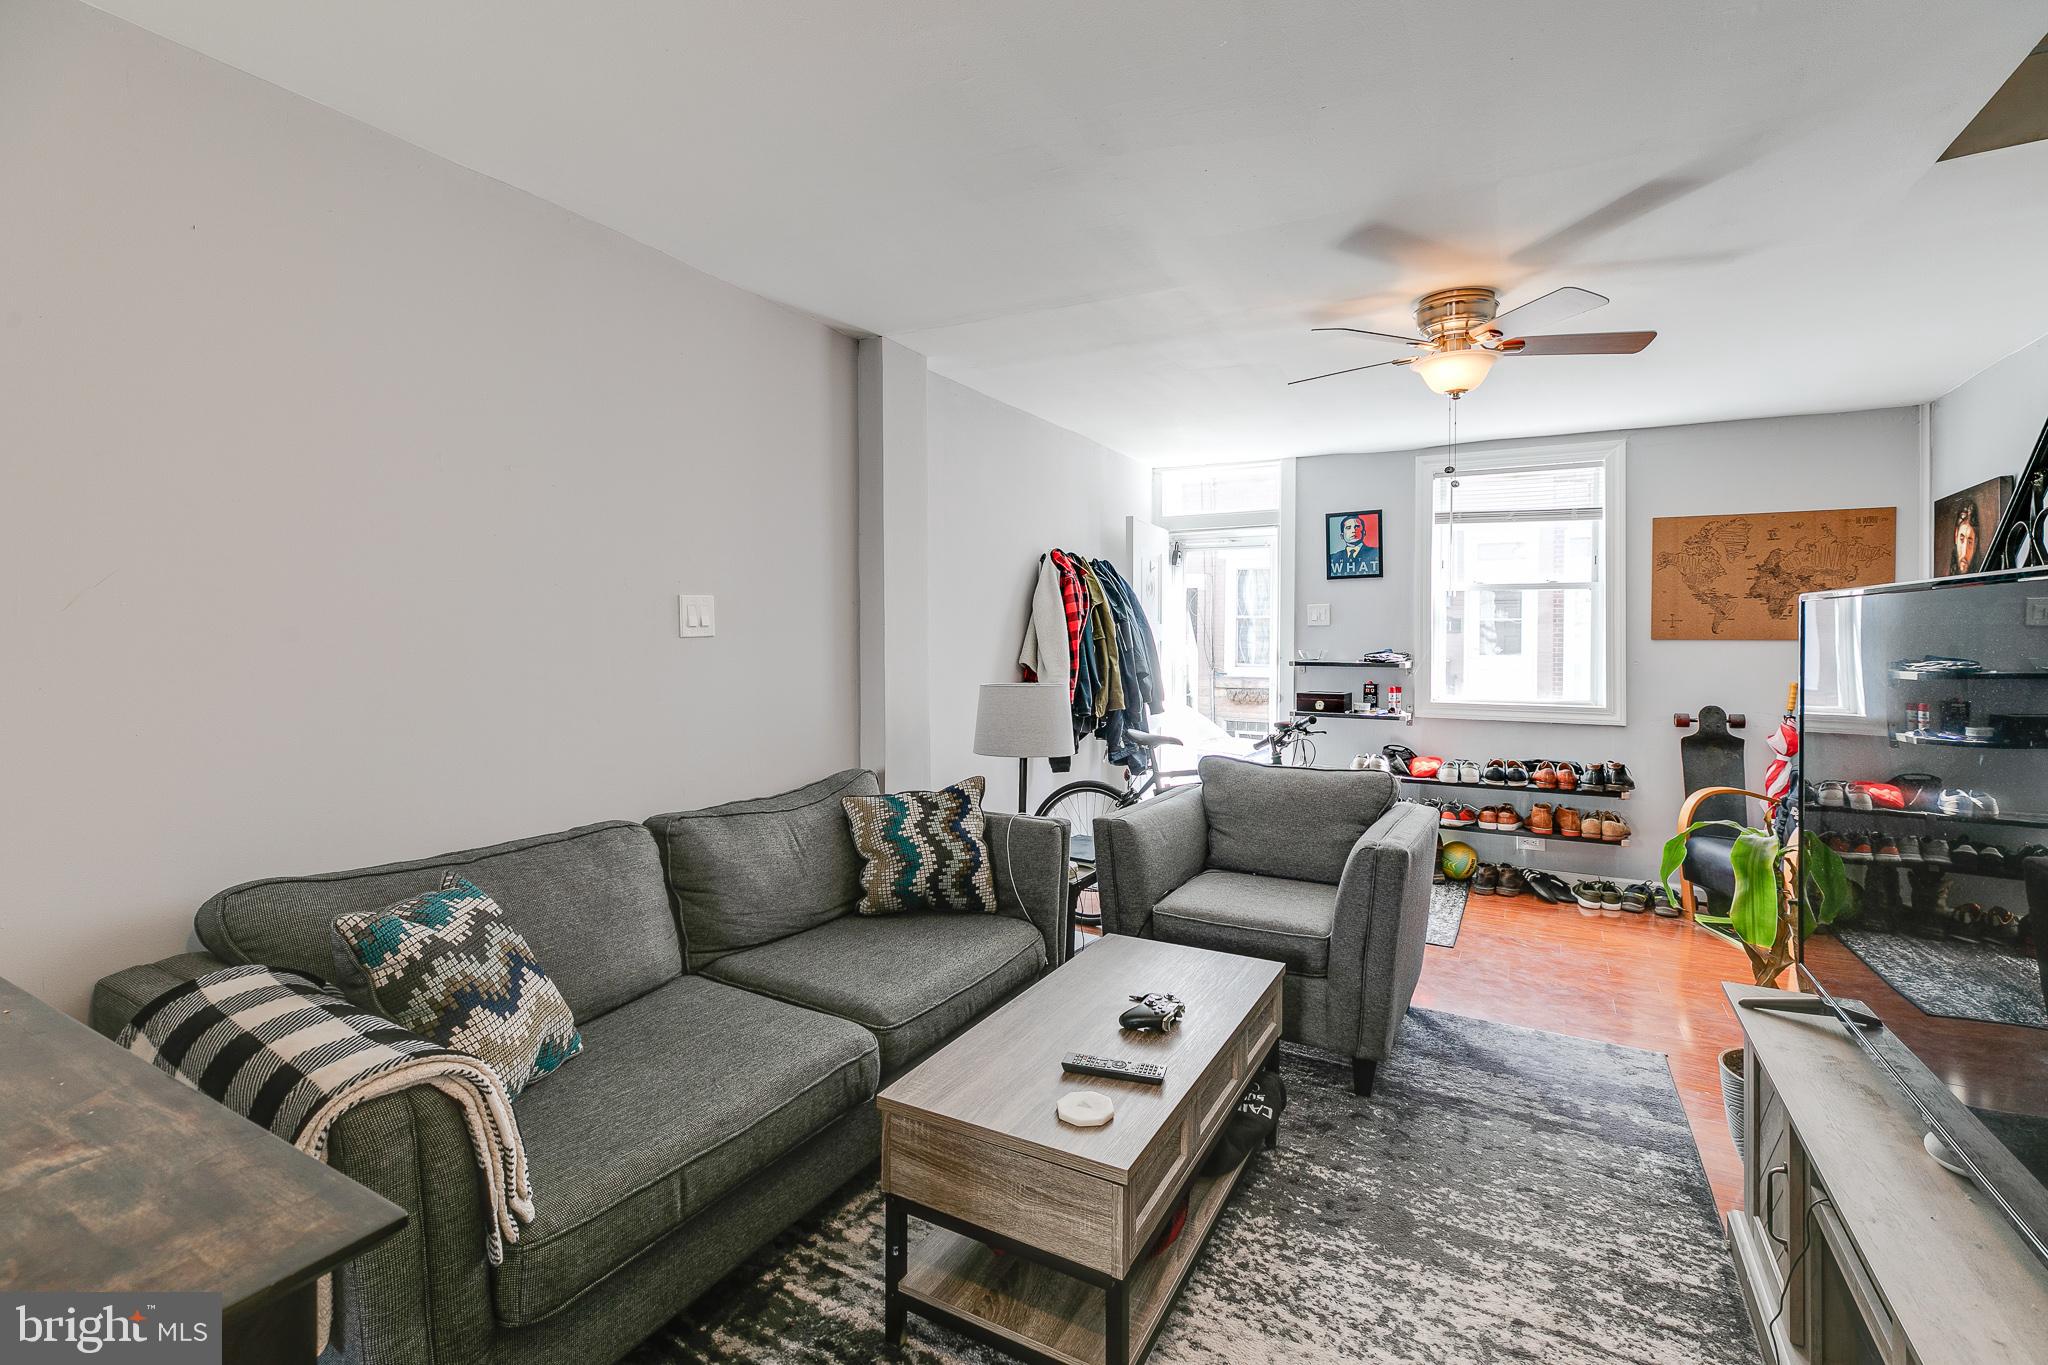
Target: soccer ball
[[1459, 860]]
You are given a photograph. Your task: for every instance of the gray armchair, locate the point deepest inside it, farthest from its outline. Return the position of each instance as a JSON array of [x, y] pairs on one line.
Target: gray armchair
[[1323, 871]]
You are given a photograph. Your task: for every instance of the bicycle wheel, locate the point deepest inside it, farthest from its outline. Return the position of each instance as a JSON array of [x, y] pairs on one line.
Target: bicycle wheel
[[1078, 803]]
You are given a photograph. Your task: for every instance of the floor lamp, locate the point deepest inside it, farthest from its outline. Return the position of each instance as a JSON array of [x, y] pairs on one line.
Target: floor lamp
[[1023, 721]]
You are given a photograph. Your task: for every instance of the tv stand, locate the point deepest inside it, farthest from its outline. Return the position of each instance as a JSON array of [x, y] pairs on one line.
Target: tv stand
[[1852, 1245], [1788, 1002]]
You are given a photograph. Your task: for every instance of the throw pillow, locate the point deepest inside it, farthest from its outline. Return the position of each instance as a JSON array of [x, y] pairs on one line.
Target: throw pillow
[[923, 850], [446, 965]]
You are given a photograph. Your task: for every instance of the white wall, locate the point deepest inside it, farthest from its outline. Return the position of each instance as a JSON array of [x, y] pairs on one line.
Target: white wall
[[1005, 487], [1988, 426], [344, 498], [1864, 459]]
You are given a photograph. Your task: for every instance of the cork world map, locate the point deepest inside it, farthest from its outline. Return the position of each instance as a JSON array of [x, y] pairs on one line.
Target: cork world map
[[1739, 576]]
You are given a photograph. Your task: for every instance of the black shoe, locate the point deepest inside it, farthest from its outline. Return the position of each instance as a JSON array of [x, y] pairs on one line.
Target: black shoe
[[1486, 881], [1991, 860], [1617, 774], [1636, 898], [1548, 886], [1512, 882], [1515, 774], [1495, 773], [1598, 780]]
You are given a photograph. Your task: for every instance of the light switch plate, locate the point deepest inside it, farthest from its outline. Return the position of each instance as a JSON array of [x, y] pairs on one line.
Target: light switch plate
[[697, 615], [1319, 613]]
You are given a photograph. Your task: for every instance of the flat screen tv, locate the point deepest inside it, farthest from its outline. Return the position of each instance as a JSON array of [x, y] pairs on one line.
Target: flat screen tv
[[1923, 712]]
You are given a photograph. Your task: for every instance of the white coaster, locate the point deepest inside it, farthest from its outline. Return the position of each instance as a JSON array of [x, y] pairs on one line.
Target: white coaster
[[1086, 1109]]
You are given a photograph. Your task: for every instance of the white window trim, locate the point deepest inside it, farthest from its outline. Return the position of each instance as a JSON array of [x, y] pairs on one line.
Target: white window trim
[[1613, 625]]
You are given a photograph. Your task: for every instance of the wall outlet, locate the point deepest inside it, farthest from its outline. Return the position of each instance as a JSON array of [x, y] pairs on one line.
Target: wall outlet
[[696, 615], [2037, 611], [1319, 613], [1523, 845]]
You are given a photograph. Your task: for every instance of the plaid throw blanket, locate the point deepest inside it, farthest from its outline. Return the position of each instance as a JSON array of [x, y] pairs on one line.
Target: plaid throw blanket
[[283, 1050]]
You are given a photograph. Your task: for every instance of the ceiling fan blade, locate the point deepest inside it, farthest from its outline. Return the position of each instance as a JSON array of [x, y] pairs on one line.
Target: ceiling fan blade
[[1547, 311], [1584, 343], [1405, 360], [1360, 331]]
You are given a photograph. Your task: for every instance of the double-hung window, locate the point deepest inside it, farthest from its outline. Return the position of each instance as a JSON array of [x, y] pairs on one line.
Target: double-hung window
[[1521, 616]]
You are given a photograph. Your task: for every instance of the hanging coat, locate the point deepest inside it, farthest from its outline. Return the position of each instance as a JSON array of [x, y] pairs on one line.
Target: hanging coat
[[1044, 655]]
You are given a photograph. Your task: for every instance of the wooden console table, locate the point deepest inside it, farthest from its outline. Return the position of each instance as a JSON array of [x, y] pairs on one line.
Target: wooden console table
[[115, 1178], [1853, 1244]]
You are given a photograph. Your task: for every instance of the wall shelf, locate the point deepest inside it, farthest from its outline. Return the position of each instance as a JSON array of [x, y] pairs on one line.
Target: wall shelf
[[1580, 794], [1460, 831], [1942, 675], [1405, 717], [1954, 741], [1347, 663]]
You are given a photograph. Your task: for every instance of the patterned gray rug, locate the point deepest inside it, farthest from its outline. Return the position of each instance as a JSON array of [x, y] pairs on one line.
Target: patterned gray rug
[[1446, 913], [1955, 978], [1505, 1195]]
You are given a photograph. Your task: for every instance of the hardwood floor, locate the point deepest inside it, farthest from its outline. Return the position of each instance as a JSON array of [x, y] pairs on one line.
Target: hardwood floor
[[1635, 980]]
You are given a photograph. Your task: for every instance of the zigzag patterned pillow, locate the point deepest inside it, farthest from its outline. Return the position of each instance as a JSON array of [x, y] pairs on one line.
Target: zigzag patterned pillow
[[923, 850], [447, 966]]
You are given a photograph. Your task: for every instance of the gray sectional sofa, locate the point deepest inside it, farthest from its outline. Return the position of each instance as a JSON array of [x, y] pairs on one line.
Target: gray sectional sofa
[[737, 1021]]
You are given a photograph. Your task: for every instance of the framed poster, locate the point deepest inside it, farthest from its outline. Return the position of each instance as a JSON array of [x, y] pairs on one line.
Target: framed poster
[[1739, 576], [1964, 524], [1354, 545]]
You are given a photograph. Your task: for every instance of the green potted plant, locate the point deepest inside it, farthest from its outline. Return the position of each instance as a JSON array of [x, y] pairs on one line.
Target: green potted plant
[[1783, 891]]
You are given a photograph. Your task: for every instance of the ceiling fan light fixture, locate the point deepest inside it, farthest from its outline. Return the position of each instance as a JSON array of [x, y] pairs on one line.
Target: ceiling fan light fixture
[[1455, 372]]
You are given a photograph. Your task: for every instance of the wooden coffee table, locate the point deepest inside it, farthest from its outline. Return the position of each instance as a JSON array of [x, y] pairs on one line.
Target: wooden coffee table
[[972, 1146]]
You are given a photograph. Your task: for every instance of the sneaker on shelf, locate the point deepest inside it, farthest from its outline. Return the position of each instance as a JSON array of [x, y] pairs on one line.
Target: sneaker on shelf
[[1485, 880], [1594, 780], [1984, 803], [1885, 849], [1859, 799], [1516, 774], [1567, 822], [1456, 816], [1833, 795], [1623, 783], [1469, 771], [1544, 777], [1390, 658], [1991, 860], [1909, 851], [1954, 801], [1859, 849], [1933, 852], [1495, 774], [1836, 842], [1935, 663], [1963, 856]]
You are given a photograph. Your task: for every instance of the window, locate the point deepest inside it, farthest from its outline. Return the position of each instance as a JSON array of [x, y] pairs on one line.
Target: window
[[1254, 618], [1522, 618], [1199, 490]]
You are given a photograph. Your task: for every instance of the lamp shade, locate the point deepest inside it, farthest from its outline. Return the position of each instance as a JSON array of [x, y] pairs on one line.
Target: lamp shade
[[1023, 720], [1455, 372]]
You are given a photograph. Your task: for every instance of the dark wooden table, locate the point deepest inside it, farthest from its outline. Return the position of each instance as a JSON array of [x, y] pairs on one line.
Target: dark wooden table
[[114, 1177]]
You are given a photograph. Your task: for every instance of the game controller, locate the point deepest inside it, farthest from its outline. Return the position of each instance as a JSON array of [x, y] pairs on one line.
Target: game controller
[[1154, 1012]]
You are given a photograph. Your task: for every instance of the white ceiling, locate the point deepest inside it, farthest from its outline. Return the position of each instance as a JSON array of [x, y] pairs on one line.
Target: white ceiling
[[1125, 216]]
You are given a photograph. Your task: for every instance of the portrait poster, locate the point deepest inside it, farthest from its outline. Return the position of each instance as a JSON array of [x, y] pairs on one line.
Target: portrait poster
[[1964, 524], [1354, 545]]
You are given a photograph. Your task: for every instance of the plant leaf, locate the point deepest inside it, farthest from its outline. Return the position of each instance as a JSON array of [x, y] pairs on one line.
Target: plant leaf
[[1674, 847], [1754, 911], [1831, 898]]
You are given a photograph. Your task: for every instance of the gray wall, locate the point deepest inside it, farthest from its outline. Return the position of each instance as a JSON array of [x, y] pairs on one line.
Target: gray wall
[[1864, 459], [1005, 487], [1988, 426], [344, 500]]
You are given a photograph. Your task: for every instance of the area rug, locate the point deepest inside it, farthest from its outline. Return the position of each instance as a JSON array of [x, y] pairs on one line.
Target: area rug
[[1446, 913], [1504, 1195], [1955, 978]]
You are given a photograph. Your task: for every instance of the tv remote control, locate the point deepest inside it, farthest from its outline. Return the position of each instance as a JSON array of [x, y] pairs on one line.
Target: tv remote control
[[1115, 1068]]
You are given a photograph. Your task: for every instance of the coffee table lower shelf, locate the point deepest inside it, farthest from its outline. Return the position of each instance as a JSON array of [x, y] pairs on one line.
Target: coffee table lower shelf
[[1039, 1308]]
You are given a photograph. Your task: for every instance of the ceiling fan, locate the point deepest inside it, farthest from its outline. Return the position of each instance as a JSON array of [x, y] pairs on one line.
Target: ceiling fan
[[1464, 333]]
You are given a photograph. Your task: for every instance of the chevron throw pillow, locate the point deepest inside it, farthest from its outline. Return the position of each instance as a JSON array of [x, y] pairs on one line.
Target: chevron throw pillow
[[923, 850], [447, 966]]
